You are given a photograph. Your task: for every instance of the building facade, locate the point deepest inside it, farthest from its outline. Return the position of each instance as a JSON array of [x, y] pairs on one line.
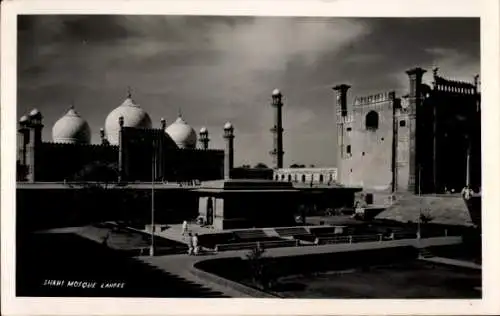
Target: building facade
[[428, 141], [129, 144]]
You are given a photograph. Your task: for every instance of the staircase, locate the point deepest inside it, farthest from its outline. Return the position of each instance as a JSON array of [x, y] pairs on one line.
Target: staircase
[[443, 209], [425, 253]]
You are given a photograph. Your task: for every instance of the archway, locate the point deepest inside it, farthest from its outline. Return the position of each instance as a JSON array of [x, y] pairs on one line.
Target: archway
[[371, 120]]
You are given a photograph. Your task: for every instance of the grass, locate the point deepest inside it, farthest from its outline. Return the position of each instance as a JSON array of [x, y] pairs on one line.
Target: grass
[[403, 280]]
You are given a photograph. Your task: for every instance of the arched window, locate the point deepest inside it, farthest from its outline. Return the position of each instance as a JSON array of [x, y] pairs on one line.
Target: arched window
[[283, 177], [276, 177], [303, 178], [348, 149], [321, 178], [371, 120], [289, 178]]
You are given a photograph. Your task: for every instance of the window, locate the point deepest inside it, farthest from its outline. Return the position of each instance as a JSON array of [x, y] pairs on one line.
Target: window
[[382, 139], [349, 129], [303, 178], [363, 153], [371, 120], [402, 123], [289, 178], [321, 178], [348, 149]]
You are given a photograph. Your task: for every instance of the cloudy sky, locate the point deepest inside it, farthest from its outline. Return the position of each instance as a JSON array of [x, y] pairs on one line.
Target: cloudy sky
[[218, 69]]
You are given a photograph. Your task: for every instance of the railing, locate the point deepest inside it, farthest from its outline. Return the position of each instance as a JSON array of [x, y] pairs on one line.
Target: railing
[[324, 240], [259, 244]]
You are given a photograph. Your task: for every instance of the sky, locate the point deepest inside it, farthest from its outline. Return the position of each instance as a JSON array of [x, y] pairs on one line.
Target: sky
[[218, 69]]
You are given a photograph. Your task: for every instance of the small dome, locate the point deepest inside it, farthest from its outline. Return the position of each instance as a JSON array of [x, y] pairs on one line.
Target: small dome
[[71, 129], [35, 113], [24, 119], [228, 125], [133, 116], [203, 130], [276, 92], [182, 134]]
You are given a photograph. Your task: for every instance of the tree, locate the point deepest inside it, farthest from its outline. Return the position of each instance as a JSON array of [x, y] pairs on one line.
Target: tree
[[92, 198], [261, 165], [263, 275]]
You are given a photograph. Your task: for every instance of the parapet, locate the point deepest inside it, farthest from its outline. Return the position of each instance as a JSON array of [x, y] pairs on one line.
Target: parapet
[[453, 86], [375, 98]]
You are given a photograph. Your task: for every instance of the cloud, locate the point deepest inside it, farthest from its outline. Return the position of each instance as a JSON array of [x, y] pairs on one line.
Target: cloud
[[219, 69]]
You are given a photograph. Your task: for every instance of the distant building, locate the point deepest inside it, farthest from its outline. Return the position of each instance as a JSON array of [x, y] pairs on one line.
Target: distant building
[[428, 141]]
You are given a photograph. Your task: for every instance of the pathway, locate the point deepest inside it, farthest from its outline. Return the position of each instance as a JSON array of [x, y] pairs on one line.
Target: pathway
[[183, 265]]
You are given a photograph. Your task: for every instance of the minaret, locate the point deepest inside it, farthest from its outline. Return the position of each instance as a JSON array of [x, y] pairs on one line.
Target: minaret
[[102, 134], [229, 152], [35, 127], [341, 106], [121, 152], [277, 130], [204, 138], [415, 101]]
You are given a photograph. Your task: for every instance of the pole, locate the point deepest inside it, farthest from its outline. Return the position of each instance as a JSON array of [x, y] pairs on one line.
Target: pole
[[153, 160], [467, 175], [420, 202]]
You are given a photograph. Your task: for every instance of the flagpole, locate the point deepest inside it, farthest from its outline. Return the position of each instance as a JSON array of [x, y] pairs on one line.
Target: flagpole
[[153, 160]]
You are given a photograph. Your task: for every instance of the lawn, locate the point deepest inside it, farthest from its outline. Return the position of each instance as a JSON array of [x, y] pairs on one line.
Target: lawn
[[403, 280]]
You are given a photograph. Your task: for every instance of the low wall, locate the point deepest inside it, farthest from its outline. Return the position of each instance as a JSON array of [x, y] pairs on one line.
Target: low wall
[[44, 208]]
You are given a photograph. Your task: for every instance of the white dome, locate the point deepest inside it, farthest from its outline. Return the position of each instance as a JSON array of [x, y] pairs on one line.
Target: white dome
[[133, 116], [24, 119], [182, 134], [228, 125], [71, 129], [276, 92]]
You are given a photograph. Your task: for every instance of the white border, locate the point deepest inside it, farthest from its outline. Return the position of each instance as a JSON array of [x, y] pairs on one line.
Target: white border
[[488, 10]]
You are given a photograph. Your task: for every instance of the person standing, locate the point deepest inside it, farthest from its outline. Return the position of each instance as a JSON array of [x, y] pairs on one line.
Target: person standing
[[184, 228], [190, 244], [196, 246]]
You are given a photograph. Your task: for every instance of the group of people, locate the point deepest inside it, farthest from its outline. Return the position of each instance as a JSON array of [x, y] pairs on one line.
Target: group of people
[[193, 243]]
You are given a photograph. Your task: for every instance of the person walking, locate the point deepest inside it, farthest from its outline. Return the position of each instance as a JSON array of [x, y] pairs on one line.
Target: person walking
[[196, 246], [184, 228], [190, 244]]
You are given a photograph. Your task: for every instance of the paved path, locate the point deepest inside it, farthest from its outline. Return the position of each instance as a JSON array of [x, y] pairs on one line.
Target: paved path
[[454, 262], [183, 265]]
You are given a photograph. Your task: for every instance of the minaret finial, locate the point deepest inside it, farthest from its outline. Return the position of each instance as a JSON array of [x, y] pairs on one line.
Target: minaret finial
[[180, 112], [129, 92]]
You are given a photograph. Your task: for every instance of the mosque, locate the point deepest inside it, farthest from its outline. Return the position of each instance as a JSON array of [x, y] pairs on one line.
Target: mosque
[[138, 151]]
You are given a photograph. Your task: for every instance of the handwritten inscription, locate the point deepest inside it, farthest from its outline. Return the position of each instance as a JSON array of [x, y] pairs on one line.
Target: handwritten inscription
[[84, 284]]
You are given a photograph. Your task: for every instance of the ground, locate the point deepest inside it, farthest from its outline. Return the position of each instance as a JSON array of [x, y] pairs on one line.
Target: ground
[[408, 280], [81, 254], [67, 256]]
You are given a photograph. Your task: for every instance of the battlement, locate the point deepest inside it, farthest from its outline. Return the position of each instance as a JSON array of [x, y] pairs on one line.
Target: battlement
[[67, 145], [454, 86], [219, 151], [375, 98]]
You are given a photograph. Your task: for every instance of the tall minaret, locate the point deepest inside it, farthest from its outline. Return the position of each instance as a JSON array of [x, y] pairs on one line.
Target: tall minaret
[[277, 130], [229, 152], [415, 76], [204, 138], [341, 105]]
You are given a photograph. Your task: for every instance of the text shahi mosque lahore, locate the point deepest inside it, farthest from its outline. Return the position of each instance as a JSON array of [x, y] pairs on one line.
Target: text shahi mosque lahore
[[425, 141]]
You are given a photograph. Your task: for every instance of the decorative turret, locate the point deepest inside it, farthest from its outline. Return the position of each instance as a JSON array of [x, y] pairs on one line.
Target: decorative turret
[[229, 152], [204, 138], [277, 129]]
